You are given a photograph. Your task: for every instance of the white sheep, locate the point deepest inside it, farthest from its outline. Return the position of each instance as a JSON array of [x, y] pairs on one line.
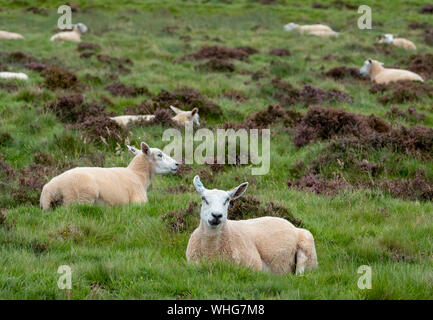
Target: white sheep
[[381, 75], [181, 118], [10, 35], [74, 35], [266, 243], [14, 75], [319, 30], [108, 186], [398, 42]]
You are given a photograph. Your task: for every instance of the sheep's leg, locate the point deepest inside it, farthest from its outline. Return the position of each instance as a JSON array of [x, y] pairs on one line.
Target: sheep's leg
[[306, 257]]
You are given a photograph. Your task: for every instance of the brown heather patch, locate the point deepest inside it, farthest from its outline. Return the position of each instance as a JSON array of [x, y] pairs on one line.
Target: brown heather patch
[[418, 188], [119, 89], [86, 54], [265, 118], [321, 124], [102, 130], [409, 115], [118, 65], [319, 185], [422, 64], [177, 220], [220, 53], [73, 108], [60, 78], [307, 95], [20, 57], [426, 9], [402, 92], [280, 52], [88, 46], [186, 98], [235, 95], [216, 65], [248, 207], [177, 189], [342, 72], [418, 25], [39, 67], [428, 37], [317, 5]]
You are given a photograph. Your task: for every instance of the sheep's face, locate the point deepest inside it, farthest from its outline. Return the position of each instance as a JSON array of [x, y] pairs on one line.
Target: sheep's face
[[183, 117], [365, 70], [386, 38], [81, 27], [215, 203], [162, 163], [290, 26]]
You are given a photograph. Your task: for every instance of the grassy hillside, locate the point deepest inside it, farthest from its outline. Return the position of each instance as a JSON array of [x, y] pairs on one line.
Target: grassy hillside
[[362, 184]]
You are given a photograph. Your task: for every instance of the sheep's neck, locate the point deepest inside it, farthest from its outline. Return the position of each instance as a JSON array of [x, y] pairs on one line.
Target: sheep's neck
[[375, 70], [142, 168], [213, 240]]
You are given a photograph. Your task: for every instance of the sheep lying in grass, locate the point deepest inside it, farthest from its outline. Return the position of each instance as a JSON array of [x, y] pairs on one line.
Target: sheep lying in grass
[[74, 35], [319, 30], [266, 243], [10, 35], [398, 42], [181, 118], [13, 75], [109, 186], [382, 75]]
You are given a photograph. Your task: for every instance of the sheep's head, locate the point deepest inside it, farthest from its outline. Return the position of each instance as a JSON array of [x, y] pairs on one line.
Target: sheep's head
[[81, 27], [365, 70], [162, 163], [290, 26], [215, 203], [182, 117], [386, 38]]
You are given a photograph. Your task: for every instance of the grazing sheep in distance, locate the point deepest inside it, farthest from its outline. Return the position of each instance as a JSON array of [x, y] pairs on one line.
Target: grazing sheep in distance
[[10, 35], [382, 75], [109, 186], [74, 35], [181, 118], [266, 243], [319, 30], [14, 75], [398, 42]]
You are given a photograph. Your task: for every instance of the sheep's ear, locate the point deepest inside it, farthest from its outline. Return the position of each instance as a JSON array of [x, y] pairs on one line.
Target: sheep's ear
[[238, 191], [198, 185], [194, 111], [176, 110], [145, 149], [369, 60], [133, 149]]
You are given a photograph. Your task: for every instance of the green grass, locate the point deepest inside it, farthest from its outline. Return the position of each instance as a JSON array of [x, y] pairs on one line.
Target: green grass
[[129, 252]]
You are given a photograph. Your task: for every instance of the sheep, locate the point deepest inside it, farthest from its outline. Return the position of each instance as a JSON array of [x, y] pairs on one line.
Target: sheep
[[319, 30], [181, 118], [398, 42], [10, 35], [263, 244], [108, 186], [74, 35], [382, 75], [14, 75]]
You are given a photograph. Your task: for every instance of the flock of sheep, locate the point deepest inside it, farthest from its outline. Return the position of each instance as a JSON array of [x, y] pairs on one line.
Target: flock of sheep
[[266, 243]]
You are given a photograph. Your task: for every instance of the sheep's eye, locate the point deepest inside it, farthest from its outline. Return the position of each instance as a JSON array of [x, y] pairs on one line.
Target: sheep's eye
[[227, 200], [160, 155], [204, 199]]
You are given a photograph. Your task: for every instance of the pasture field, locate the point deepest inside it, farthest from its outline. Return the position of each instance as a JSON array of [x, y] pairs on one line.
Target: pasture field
[[362, 184]]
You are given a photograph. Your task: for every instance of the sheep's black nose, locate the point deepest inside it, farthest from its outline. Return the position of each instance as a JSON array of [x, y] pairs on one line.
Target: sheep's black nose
[[217, 215], [177, 164]]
